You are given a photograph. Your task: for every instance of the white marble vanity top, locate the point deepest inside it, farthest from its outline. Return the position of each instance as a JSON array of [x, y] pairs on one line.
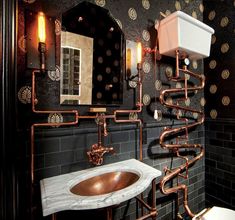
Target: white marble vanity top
[[56, 195]]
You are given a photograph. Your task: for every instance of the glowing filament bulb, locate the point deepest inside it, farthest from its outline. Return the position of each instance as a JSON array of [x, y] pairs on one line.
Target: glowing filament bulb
[[41, 27], [139, 53]]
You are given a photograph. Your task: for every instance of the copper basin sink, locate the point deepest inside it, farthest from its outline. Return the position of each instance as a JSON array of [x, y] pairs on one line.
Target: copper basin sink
[[105, 183]]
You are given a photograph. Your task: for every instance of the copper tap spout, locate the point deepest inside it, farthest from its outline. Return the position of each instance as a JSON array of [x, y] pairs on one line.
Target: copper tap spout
[[97, 152]]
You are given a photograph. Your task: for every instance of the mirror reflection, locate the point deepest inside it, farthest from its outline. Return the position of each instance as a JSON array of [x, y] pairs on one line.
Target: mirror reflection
[[92, 57]]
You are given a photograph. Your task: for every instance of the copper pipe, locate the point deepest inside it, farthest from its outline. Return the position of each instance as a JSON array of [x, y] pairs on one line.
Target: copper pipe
[[53, 216], [152, 209], [109, 213], [139, 106], [170, 174], [34, 102], [182, 187]]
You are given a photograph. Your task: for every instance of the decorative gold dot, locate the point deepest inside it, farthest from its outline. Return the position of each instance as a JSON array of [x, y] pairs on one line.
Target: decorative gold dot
[[168, 12], [99, 95], [100, 60], [201, 8], [169, 101], [213, 114], [213, 39], [169, 71], [212, 64], [108, 70], [224, 48], [146, 99], [54, 75], [213, 89], [158, 85], [195, 115], [24, 94], [195, 65], [146, 4], [146, 35], [132, 84], [101, 3], [177, 5], [224, 22], [225, 74], [194, 14], [99, 78], [225, 100], [211, 15], [115, 79], [108, 53], [132, 13], [187, 76], [114, 95], [178, 85], [146, 67], [133, 116], [55, 118], [187, 102], [203, 101]]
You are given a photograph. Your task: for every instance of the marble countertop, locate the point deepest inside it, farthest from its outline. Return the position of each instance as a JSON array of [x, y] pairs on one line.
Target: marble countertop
[[56, 195]]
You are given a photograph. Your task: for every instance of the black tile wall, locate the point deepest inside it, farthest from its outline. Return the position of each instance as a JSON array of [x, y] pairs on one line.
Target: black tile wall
[[73, 157], [220, 161]]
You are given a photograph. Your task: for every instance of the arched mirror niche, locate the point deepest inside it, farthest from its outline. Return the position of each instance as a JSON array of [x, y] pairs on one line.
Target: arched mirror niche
[[92, 57]]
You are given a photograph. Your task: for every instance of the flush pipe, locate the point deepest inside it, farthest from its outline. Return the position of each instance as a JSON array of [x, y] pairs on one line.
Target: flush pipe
[[170, 174]]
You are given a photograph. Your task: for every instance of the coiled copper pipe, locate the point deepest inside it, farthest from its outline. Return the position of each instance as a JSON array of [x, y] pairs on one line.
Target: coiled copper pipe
[[170, 174]]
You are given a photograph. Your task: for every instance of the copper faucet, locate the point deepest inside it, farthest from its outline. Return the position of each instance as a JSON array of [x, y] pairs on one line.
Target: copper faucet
[[97, 151]]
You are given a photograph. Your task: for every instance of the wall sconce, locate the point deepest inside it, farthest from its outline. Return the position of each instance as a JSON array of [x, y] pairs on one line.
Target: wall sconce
[[133, 57], [42, 39], [40, 47], [139, 56]]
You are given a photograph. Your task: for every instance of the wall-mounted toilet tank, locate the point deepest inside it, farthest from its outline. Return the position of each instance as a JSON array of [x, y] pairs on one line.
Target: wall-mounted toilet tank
[[182, 32]]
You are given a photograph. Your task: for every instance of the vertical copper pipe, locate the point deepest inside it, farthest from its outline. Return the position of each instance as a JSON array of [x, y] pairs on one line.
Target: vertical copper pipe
[[109, 213], [171, 131], [54, 216], [154, 209], [34, 102]]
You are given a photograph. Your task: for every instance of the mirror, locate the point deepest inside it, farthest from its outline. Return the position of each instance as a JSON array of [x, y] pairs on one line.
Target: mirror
[[92, 57]]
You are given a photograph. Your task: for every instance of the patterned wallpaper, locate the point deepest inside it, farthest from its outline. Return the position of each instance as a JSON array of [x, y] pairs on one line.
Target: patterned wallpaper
[[137, 20], [219, 67]]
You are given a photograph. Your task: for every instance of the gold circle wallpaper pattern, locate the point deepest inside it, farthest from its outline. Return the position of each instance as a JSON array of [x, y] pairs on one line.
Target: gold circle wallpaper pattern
[[24, 94], [225, 74], [132, 13], [146, 4], [220, 65]]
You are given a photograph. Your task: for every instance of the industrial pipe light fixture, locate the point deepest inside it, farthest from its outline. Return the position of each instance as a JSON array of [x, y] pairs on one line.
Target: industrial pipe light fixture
[[42, 39]]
